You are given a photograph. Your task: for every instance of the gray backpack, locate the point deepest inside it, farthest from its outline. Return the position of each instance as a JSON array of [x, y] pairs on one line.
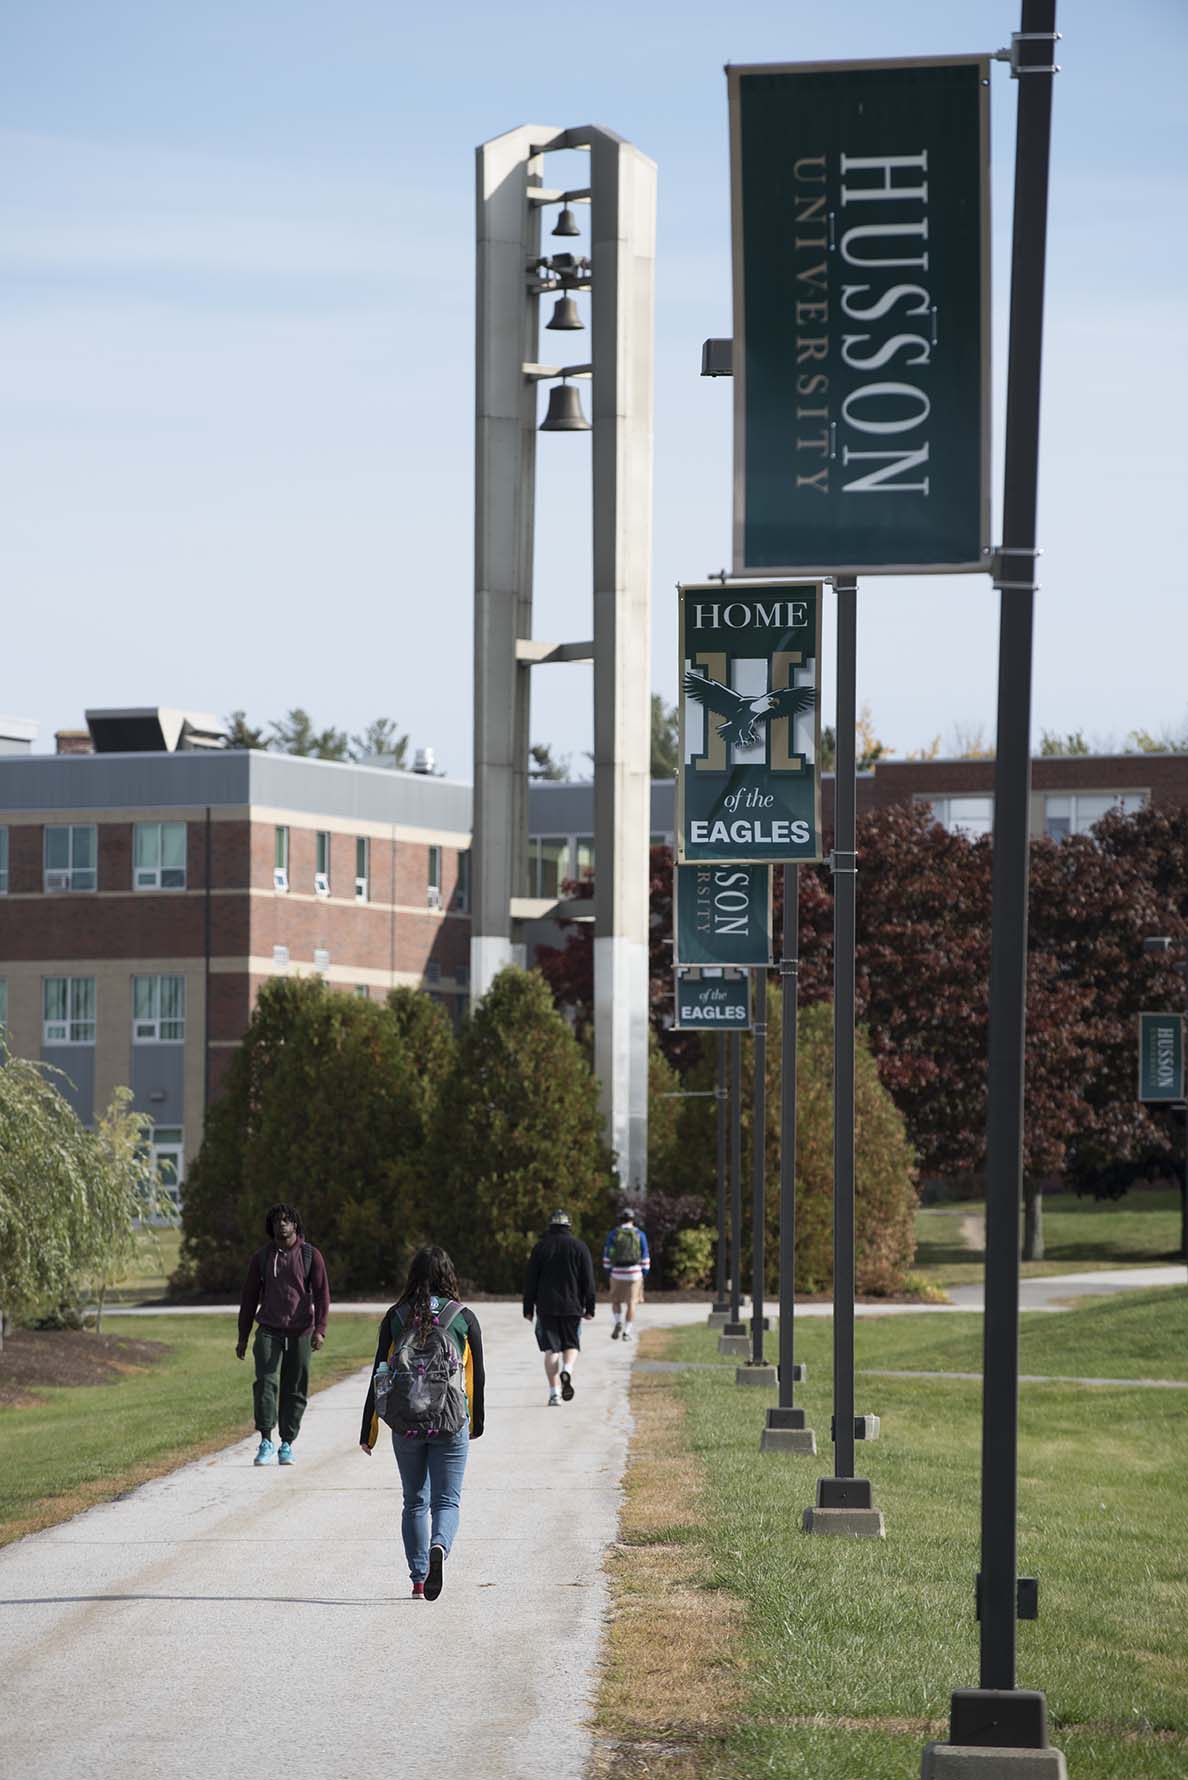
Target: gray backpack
[[423, 1394]]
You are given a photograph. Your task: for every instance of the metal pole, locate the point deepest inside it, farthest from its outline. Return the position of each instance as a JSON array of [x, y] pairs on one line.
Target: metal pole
[[789, 983], [735, 1178], [844, 897], [720, 1269], [1021, 1720], [759, 1169]]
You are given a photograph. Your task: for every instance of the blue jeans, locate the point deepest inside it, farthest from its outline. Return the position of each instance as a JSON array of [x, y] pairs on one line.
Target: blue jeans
[[431, 1473]]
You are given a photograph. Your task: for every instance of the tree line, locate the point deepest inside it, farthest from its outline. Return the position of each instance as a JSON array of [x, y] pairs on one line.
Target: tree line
[[923, 959]]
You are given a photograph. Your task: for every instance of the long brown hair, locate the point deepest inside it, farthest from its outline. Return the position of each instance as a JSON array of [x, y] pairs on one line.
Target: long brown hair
[[430, 1275]]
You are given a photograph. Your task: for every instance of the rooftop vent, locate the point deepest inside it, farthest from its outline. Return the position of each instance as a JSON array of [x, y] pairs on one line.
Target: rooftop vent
[[153, 729], [17, 735], [424, 760]]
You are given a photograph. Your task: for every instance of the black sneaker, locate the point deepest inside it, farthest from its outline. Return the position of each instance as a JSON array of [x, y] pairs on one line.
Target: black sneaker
[[566, 1387], [616, 1332], [434, 1579]]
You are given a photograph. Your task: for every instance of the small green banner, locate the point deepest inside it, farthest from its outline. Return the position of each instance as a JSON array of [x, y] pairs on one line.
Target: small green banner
[[722, 914], [748, 789], [861, 249], [1161, 1057], [717, 1000]]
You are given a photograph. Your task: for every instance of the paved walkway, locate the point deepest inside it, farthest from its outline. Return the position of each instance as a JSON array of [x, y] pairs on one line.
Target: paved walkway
[[226, 1621]]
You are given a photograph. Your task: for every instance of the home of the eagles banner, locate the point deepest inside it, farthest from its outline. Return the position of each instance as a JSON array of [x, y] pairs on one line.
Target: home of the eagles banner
[[748, 788]]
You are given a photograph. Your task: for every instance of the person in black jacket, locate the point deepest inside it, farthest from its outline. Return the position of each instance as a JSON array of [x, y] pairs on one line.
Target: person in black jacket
[[559, 1292]]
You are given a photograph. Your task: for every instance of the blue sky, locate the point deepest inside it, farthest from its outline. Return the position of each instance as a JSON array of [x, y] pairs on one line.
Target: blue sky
[[236, 377]]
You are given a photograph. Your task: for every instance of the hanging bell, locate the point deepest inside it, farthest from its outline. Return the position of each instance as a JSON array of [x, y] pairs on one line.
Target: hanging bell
[[565, 315], [565, 411], [567, 223]]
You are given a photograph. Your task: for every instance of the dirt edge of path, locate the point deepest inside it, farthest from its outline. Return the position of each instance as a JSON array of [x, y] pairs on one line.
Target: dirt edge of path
[[669, 1688]]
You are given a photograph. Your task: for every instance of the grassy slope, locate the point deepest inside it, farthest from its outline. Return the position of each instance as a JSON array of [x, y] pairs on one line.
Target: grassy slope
[[883, 1631], [1079, 1234], [88, 1444]]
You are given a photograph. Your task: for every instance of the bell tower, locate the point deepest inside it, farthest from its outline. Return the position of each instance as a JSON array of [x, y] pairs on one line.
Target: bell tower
[[513, 274]]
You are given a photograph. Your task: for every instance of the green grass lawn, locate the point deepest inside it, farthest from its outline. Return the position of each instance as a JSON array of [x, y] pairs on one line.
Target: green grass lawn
[[156, 1256], [87, 1444], [882, 1631], [1080, 1235]]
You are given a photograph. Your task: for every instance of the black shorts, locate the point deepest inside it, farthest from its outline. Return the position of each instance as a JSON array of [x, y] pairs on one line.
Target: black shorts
[[557, 1333]]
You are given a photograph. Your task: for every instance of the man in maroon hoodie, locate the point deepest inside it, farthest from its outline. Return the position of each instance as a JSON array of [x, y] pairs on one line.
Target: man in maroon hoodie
[[288, 1293]]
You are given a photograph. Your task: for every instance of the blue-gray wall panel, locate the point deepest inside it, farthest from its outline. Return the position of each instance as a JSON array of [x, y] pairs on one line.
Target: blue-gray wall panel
[[78, 1064], [160, 1070]]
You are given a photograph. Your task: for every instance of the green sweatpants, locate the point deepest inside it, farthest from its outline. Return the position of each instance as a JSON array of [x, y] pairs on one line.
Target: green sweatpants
[[281, 1361]]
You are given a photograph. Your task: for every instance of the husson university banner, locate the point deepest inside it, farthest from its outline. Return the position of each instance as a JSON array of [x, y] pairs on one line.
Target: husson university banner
[[860, 207], [748, 788], [1161, 1057], [722, 914], [718, 1002]]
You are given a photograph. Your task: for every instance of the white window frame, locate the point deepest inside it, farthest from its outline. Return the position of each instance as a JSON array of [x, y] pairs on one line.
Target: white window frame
[[942, 811], [321, 862], [1126, 801], [59, 877], [3, 862], [362, 858], [74, 1026], [164, 1146], [280, 865], [150, 1028], [152, 877], [433, 877]]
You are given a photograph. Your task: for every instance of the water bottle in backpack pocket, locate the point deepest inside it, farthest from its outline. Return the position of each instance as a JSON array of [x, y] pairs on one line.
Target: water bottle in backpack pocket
[[423, 1391]]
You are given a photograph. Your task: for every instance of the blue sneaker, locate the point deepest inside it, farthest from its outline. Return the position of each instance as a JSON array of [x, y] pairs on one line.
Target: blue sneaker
[[285, 1455], [266, 1450]]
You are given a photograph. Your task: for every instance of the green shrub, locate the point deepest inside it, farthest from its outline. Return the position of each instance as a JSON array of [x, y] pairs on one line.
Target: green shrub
[[691, 1257], [517, 1134]]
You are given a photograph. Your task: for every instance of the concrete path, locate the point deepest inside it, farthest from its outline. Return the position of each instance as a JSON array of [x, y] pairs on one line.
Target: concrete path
[[224, 1622]]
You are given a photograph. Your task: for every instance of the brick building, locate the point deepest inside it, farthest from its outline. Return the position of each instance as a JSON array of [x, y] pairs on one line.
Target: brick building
[[146, 893], [144, 898]]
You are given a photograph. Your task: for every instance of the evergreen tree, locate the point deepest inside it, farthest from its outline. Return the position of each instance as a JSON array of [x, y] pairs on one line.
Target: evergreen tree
[[517, 1134]]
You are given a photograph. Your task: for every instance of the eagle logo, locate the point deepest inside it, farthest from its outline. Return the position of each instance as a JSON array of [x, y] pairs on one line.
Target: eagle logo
[[741, 711]]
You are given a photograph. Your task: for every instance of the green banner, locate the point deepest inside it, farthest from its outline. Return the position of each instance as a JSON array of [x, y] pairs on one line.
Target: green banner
[[1161, 1057], [860, 200], [722, 914], [720, 1002], [748, 789]]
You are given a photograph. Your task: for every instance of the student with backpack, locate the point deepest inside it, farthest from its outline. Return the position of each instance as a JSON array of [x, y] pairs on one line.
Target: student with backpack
[[626, 1261], [427, 1384], [288, 1294]]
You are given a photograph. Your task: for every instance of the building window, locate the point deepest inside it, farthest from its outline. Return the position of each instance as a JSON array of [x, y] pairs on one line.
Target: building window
[[363, 992], [462, 892], [159, 856], [547, 855], [432, 971], [972, 816], [1077, 813], [462, 975], [362, 868], [322, 863], [583, 847], [3, 1004], [169, 1158], [280, 860], [321, 960], [435, 877], [70, 858], [69, 1011], [3, 862], [159, 1010]]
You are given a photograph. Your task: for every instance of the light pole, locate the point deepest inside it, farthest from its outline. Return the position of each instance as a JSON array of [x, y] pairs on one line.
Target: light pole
[[1161, 945]]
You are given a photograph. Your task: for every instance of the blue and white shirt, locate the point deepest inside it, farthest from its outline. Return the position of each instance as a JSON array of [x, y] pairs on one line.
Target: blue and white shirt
[[638, 1268]]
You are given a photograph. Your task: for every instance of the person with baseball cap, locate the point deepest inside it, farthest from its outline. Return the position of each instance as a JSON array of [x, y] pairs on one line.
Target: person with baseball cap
[[559, 1294]]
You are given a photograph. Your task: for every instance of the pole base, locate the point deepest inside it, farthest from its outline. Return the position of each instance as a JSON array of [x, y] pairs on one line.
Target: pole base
[[735, 1346], [785, 1417], [950, 1761], [755, 1372], [845, 1506], [788, 1440], [998, 1718], [718, 1319]]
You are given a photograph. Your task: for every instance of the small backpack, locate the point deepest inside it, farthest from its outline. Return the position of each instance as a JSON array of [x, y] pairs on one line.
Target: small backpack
[[627, 1247], [423, 1394]]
